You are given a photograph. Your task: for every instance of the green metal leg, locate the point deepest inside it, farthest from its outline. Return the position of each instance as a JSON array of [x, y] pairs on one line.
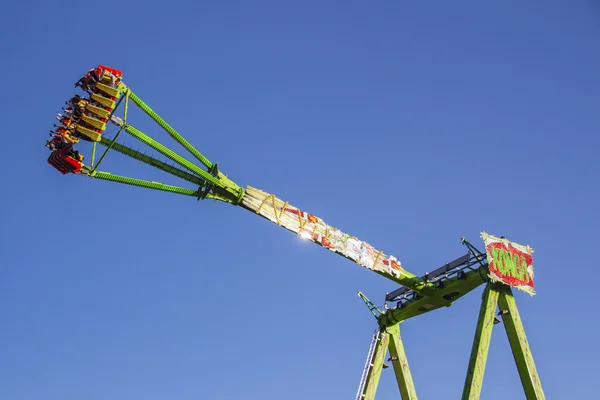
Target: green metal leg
[[400, 363], [519, 345], [481, 343], [376, 366]]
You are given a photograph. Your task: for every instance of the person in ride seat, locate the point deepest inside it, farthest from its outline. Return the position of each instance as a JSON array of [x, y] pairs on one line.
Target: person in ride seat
[[70, 125], [107, 77], [68, 135], [70, 122], [58, 143], [71, 112], [66, 121], [89, 80], [54, 144], [73, 100], [75, 154], [78, 105]]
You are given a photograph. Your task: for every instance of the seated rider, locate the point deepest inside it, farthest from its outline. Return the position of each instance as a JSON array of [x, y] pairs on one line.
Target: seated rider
[[75, 154], [111, 76], [70, 136], [65, 120], [57, 143], [78, 105], [71, 112], [70, 122], [89, 80]]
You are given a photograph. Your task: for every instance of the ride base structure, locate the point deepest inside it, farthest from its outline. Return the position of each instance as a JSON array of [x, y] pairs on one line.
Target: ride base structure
[[504, 265], [496, 296]]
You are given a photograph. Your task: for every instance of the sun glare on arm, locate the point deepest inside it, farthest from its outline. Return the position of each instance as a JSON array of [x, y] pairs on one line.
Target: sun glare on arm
[[305, 235]]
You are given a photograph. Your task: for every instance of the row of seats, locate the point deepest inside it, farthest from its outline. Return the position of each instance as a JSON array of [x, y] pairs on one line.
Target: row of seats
[[84, 118]]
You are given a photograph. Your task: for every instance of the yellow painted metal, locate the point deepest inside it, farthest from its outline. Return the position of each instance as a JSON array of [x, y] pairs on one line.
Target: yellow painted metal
[[101, 112], [96, 123], [103, 100], [110, 91], [95, 136]]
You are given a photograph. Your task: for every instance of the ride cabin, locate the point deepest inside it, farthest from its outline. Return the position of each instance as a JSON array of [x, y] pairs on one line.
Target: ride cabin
[[84, 118]]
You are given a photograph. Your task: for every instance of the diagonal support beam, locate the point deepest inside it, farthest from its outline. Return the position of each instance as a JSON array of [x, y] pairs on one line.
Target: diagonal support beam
[[174, 134], [481, 343], [150, 160], [164, 150], [142, 183], [400, 363], [519, 345], [224, 188], [375, 367]]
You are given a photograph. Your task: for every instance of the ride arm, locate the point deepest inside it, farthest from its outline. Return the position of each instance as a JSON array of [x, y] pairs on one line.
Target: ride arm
[[174, 134], [226, 189], [221, 187], [142, 183], [316, 230], [306, 225], [110, 143]]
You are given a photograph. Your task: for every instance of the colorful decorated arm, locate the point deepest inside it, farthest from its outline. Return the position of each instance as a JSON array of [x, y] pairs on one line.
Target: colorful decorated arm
[[318, 231], [107, 92]]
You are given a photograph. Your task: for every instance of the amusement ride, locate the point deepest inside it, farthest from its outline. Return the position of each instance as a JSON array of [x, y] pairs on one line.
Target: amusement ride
[[502, 266]]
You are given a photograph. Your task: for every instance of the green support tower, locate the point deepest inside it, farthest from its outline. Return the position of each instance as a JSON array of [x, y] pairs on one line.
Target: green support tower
[[499, 270]]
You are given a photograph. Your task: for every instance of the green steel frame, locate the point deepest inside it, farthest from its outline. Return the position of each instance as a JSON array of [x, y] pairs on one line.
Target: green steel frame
[[519, 345], [500, 296], [386, 338], [428, 295], [211, 183], [495, 295], [400, 363], [481, 344]]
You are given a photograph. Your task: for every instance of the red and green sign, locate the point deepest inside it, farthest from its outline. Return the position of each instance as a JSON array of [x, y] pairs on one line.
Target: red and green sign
[[509, 263]]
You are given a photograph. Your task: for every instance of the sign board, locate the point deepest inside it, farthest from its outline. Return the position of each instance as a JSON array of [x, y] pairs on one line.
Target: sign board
[[509, 263]]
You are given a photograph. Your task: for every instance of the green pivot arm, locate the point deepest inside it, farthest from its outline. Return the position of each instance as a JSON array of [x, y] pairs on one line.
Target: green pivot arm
[[150, 161], [214, 184], [142, 183], [174, 134]]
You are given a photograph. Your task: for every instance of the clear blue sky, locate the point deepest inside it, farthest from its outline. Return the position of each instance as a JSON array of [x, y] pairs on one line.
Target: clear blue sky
[[409, 124]]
